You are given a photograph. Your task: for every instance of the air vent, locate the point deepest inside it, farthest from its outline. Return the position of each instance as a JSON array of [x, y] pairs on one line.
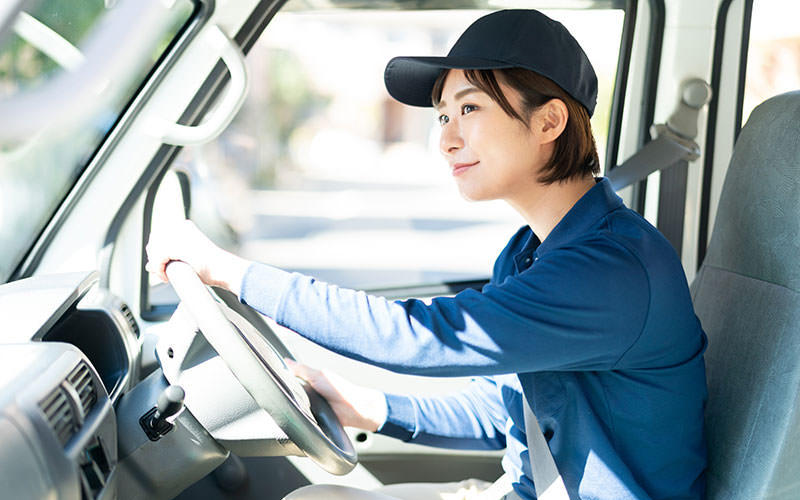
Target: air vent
[[61, 405], [81, 379], [129, 317], [59, 414]]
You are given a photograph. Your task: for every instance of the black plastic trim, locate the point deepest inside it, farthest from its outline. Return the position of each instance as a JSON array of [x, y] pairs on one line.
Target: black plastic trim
[[185, 182], [655, 45], [713, 109], [145, 310], [429, 290], [154, 429], [620, 84], [743, 55], [254, 25]]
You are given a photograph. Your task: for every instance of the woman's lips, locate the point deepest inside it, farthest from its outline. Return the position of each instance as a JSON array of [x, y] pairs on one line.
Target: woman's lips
[[460, 168]]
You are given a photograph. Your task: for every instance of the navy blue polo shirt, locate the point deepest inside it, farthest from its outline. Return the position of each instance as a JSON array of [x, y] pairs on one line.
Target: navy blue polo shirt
[[595, 324]]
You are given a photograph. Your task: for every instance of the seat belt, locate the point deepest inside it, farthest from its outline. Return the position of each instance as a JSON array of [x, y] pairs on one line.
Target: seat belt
[[546, 478], [665, 150], [672, 142]]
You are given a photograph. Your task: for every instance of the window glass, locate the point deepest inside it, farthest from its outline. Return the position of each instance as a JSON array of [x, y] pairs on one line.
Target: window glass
[[324, 173], [773, 57], [44, 46]]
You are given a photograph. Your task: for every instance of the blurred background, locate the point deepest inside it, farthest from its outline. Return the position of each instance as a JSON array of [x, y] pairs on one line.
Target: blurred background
[[324, 173]]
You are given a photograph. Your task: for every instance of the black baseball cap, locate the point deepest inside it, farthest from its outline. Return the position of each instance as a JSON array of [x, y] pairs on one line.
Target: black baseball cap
[[514, 38]]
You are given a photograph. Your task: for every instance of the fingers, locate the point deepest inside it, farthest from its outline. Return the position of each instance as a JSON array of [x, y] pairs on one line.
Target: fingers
[[185, 242], [157, 258], [355, 406], [325, 383], [167, 244], [154, 264], [302, 371]]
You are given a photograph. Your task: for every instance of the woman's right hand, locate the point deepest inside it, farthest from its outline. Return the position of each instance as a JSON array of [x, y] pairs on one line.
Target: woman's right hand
[[185, 242], [354, 405]]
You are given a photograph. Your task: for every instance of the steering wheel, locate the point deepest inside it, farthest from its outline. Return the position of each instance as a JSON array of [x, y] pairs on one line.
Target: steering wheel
[[300, 412]]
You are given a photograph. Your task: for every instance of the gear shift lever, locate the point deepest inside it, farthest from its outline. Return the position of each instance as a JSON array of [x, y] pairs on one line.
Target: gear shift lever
[[169, 403]]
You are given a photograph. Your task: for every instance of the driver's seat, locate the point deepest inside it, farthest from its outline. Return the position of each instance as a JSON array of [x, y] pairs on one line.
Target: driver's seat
[[747, 295]]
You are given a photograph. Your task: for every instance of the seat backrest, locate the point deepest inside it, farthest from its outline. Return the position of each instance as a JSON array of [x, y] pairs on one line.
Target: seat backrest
[[747, 296]]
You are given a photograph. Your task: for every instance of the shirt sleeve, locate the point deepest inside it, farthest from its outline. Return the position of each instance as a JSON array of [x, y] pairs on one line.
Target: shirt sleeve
[[473, 419], [576, 308]]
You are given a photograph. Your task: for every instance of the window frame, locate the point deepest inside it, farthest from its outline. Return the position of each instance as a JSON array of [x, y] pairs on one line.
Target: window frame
[[704, 228]]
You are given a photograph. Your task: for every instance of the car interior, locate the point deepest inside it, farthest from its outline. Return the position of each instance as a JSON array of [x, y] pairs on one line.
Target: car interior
[[266, 122]]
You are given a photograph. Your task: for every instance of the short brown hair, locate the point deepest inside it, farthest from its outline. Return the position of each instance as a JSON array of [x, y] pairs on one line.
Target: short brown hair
[[575, 153]]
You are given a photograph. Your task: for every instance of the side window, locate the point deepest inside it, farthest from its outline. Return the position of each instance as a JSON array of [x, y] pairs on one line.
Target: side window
[[322, 172], [773, 56]]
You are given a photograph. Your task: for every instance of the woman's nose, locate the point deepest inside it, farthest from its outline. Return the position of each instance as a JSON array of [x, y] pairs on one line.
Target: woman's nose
[[450, 141]]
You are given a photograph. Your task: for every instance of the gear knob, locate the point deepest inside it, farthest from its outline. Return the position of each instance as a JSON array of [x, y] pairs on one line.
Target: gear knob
[[170, 402]]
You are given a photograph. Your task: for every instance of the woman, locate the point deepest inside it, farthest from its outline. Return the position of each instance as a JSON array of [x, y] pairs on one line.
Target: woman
[[587, 316]]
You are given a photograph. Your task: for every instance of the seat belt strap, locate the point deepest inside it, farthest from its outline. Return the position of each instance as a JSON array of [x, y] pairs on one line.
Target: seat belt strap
[[546, 478], [665, 150], [673, 141], [672, 203]]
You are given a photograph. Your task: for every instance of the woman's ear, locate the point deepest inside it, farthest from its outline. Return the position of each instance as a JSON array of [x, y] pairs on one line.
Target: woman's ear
[[552, 119]]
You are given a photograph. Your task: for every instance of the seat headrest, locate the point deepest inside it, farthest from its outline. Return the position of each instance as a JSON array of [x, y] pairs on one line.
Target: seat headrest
[[757, 230]]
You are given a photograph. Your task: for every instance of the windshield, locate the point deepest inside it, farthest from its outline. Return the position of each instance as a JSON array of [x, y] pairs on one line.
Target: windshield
[[46, 54]]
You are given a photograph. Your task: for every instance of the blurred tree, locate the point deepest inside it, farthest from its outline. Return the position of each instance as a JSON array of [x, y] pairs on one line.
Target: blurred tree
[[288, 99]]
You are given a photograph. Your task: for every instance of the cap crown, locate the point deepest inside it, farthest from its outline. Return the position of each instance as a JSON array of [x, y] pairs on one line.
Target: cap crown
[[529, 39], [513, 38]]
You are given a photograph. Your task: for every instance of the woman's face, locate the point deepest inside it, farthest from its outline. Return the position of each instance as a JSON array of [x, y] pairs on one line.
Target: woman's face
[[491, 155]]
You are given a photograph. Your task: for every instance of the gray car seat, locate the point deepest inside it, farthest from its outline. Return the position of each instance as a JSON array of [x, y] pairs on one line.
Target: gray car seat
[[747, 295]]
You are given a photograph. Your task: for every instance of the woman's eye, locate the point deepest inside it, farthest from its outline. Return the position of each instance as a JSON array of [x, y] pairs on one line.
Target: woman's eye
[[468, 108], [443, 120]]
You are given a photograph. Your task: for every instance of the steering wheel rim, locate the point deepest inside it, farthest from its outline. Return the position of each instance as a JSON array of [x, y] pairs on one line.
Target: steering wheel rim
[[325, 442]]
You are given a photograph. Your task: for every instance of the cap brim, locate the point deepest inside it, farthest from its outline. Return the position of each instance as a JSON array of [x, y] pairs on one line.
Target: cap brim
[[410, 79]]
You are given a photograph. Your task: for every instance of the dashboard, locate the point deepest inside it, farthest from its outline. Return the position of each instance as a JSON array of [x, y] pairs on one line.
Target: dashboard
[[67, 353]]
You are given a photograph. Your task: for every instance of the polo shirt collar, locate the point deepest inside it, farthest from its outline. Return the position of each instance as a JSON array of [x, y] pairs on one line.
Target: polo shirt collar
[[587, 211]]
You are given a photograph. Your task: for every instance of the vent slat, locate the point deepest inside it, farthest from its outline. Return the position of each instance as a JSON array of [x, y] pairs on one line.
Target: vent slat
[[59, 414], [126, 311], [81, 380]]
